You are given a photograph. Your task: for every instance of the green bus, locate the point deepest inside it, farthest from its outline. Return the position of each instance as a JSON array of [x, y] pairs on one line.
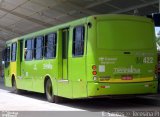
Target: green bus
[[96, 56]]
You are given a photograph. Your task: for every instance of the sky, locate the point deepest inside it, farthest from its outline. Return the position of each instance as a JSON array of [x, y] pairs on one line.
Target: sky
[[157, 29]]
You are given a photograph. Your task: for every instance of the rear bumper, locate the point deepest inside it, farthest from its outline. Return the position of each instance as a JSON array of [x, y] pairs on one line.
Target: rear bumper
[[106, 89]]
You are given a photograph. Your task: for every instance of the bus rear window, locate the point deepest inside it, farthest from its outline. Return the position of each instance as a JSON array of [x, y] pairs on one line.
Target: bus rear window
[[124, 35]]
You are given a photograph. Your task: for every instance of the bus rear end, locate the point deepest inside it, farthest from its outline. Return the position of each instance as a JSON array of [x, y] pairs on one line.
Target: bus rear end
[[125, 57]]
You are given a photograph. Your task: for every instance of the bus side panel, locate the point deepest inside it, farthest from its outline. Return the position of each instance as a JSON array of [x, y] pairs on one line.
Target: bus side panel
[[38, 73], [42, 69], [77, 74], [64, 89], [7, 79], [91, 49], [27, 75], [13, 68]]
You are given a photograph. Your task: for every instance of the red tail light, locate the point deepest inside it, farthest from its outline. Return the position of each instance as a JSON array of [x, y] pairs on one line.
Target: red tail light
[[94, 67], [94, 73]]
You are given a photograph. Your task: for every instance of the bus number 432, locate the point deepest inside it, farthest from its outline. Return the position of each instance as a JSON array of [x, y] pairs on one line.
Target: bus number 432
[[148, 60]]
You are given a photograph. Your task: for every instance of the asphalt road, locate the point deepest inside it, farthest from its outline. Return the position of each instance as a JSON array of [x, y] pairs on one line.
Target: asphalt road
[[30, 101]]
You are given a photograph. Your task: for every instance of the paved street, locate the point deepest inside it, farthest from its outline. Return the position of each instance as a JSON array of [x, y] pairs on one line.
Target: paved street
[[28, 102], [36, 102]]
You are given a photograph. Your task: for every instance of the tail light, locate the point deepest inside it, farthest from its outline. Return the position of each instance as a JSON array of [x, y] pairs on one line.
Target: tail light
[[94, 72], [94, 67]]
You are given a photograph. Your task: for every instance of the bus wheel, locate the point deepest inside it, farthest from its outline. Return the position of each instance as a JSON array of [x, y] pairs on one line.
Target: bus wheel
[[14, 87], [49, 91]]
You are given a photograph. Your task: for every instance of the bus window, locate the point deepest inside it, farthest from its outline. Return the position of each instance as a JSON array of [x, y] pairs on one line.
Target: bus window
[[65, 47], [50, 45], [8, 54], [78, 41], [38, 47], [13, 51], [29, 46], [65, 39], [7, 57], [21, 50]]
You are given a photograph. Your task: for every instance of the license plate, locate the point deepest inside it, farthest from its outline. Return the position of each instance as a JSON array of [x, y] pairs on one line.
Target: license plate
[[127, 77]]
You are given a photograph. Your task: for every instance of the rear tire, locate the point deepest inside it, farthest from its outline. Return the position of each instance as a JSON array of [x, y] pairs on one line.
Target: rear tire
[[49, 91]]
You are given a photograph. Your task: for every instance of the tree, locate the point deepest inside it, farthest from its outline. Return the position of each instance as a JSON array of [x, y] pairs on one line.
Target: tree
[[158, 42]]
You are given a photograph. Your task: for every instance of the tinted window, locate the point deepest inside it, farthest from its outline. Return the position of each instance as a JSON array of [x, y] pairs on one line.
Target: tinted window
[[29, 46], [21, 50], [78, 41], [39, 47], [13, 51], [65, 39], [7, 56], [50, 45]]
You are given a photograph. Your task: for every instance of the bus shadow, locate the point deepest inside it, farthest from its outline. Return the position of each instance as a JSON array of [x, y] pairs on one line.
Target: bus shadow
[[33, 95], [29, 94], [106, 104]]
